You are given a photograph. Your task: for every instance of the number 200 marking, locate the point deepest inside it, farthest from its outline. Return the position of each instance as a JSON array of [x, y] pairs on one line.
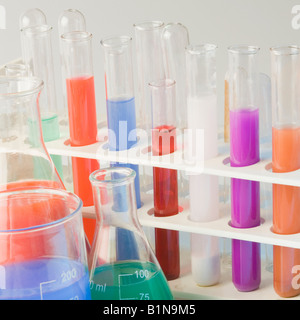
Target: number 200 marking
[[67, 276]]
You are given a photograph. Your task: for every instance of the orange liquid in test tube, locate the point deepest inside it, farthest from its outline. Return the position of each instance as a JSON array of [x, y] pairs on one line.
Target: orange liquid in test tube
[[83, 131], [286, 208]]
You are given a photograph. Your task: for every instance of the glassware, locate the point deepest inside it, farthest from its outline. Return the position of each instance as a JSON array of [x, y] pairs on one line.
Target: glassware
[[71, 20], [243, 89], [285, 62], [150, 66], [165, 184], [32, 17], [226, 110], [37, 54], [120, 99], [175, 38], [77, 63], [43, 253], [23, 156], [204, 189], [116, 274], [16, 70]]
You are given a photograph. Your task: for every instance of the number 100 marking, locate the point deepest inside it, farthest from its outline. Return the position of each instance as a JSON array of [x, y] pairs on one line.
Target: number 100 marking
[[142, 274]]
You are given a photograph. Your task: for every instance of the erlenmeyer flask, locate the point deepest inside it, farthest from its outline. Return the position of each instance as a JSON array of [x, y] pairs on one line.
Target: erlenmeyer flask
[[116, 274], [23, 156]]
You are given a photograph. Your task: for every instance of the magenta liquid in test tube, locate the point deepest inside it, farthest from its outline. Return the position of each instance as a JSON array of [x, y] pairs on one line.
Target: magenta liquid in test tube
[[244, 151]]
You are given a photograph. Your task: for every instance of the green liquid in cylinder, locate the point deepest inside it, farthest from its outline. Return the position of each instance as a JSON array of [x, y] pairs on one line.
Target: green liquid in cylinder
[[130, 280]]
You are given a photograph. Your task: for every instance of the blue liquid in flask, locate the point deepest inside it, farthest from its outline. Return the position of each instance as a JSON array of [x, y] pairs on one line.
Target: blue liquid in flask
[[44, 279]]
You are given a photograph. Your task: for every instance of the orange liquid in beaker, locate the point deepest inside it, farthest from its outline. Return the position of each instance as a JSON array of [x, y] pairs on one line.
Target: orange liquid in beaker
[[28, 211]]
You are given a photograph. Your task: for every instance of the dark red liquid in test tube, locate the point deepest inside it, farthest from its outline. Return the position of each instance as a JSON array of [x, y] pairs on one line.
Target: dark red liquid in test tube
[[165, 189]]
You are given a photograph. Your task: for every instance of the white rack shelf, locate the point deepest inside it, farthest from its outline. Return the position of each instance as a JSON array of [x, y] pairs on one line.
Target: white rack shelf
[[141, 155]]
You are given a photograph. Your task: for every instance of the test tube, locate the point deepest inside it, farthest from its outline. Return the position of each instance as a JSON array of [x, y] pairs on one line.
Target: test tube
[[71, 20], [175, 39], [285, 63], [150, 66], [204, 189], [226, 110], [16, 69], [120, 99], [32, 17], [37, 54], [165, 185], [243, 84], [78, 65]]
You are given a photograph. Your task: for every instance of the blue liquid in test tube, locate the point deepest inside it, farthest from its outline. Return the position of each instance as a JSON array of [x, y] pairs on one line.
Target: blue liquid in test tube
[[122, 136], [122, 133]]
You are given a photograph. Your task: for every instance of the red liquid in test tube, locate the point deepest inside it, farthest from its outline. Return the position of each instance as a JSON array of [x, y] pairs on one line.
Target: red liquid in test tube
[[165, 187]]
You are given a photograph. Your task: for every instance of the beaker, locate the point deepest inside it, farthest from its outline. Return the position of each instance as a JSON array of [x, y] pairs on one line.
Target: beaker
[[42, 246], [204, 189], [116, 274], [37, 54], [285, 63], [243, 90], [23, 156], [120, 99], [78, 65], [165, 181]]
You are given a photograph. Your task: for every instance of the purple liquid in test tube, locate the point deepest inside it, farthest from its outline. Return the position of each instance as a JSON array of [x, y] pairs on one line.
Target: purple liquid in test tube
[[244, 151]]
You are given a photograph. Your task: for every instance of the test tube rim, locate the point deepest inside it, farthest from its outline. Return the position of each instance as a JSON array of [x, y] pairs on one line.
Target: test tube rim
[[112, 182], [150, 25], [32, 31], [39, 84], [162, 83], [278, 50], [243, 49], [66, 36], [127, 40], [44, 226], [201, 48], [16, 66]]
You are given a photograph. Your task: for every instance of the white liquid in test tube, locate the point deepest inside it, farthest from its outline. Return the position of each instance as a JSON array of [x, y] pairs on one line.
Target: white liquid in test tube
[[204, 189], [205, 256], [202, 115]]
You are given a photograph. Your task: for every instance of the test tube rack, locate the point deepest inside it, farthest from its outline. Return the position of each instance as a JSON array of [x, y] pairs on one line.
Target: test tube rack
[[184, 287]]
